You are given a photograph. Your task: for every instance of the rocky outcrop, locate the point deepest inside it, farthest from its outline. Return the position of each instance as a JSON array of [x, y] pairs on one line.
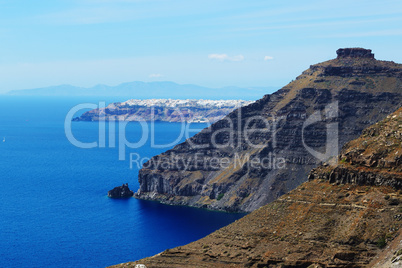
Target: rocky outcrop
[[354, 53], [167, 110], [120, 192], [374, 159], [336, 219], [343, 175], [261, 151]]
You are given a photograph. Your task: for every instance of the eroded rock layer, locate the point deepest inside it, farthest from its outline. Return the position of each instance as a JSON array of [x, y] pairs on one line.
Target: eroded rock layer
[[328, 221], [261, 151]]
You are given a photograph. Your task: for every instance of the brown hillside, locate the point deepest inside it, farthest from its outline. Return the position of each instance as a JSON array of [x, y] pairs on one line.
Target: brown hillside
[[365, 91], [333, 220]]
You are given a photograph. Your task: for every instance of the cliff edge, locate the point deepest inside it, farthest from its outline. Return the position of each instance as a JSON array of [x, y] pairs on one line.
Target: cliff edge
[[261, 151], [336, 219]]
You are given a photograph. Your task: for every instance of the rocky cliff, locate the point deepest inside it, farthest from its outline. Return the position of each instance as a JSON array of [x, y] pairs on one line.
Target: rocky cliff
[[375, 158], [261, 151], [336, 219], [120, 192], [168, 110]]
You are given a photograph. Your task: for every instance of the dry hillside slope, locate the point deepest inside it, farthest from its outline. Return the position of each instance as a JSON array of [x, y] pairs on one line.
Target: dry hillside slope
[[347, 215]]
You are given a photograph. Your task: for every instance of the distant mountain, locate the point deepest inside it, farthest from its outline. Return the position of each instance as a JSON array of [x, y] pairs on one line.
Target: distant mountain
[[148, 90]]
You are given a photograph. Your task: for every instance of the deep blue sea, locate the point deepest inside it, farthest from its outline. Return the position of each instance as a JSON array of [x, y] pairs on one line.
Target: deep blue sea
[[53, 196]]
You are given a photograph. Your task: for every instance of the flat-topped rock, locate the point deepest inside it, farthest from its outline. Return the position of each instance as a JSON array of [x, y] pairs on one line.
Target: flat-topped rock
[[354, 53]]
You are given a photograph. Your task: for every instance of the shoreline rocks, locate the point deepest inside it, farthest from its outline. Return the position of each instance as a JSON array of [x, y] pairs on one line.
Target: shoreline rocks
[[120, 192]]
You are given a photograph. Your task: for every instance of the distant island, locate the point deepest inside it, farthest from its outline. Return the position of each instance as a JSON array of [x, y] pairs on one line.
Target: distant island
[[149, 90], [168, 110]]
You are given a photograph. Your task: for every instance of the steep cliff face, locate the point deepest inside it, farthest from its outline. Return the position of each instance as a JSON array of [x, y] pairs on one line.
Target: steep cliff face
[[336, 219], [263, 150]]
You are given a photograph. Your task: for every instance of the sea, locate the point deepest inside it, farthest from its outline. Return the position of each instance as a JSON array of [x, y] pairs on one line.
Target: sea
[[54, 209]]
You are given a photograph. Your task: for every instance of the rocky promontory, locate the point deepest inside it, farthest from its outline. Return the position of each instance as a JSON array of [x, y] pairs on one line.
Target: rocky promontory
[[120, 192], [333, 220], [263, 150]]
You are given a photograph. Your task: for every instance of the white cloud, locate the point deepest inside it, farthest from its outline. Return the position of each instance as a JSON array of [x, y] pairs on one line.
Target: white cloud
[[268, 58], [225, 57], [155, 75]]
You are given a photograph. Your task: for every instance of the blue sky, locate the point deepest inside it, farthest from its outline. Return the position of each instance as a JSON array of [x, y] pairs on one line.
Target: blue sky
[[209, 43]]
